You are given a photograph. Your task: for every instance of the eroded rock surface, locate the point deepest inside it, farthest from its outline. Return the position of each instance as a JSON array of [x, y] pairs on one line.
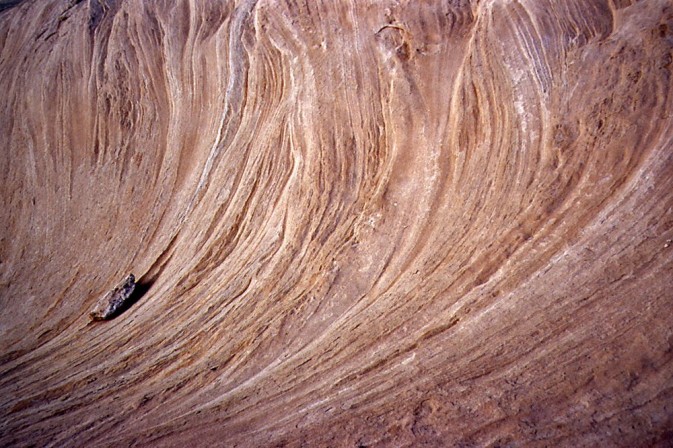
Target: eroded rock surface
[[428, 223]]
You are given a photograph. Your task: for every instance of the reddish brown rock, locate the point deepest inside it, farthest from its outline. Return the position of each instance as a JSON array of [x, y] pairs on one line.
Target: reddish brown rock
[[390, 223]]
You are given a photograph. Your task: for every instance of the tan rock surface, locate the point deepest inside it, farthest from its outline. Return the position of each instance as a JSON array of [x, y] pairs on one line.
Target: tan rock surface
[[394, 223]]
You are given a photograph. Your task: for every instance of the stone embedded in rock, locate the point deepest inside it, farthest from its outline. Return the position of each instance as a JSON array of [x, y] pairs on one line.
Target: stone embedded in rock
[[111, 303]]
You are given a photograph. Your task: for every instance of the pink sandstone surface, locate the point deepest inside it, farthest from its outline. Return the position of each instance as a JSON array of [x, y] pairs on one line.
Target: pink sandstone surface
[[353, 223]]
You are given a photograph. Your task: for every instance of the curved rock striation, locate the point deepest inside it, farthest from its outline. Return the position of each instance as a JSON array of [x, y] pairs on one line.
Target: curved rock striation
[[431, 223]]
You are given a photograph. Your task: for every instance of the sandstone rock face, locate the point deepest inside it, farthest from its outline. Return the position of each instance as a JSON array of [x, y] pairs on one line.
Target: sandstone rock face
[[371, 223]]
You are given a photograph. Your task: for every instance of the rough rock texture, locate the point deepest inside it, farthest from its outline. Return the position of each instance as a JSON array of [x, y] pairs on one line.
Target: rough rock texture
[[115, 301], [390, 223]]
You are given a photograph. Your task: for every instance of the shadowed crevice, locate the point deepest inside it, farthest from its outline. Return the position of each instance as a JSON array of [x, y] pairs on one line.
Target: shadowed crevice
[[8, 4]]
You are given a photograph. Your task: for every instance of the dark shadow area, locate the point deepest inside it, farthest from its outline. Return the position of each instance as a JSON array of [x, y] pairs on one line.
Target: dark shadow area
[[7, 4]]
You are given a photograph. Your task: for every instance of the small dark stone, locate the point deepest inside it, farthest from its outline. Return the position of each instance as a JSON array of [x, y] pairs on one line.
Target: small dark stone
[[111, 303]]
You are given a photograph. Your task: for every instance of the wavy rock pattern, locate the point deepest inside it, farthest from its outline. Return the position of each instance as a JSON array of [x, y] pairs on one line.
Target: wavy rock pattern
[[355, 223]]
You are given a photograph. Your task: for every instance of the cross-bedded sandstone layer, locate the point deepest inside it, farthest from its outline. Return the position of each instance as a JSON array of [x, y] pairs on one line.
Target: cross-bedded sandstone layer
[[390, 223]]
